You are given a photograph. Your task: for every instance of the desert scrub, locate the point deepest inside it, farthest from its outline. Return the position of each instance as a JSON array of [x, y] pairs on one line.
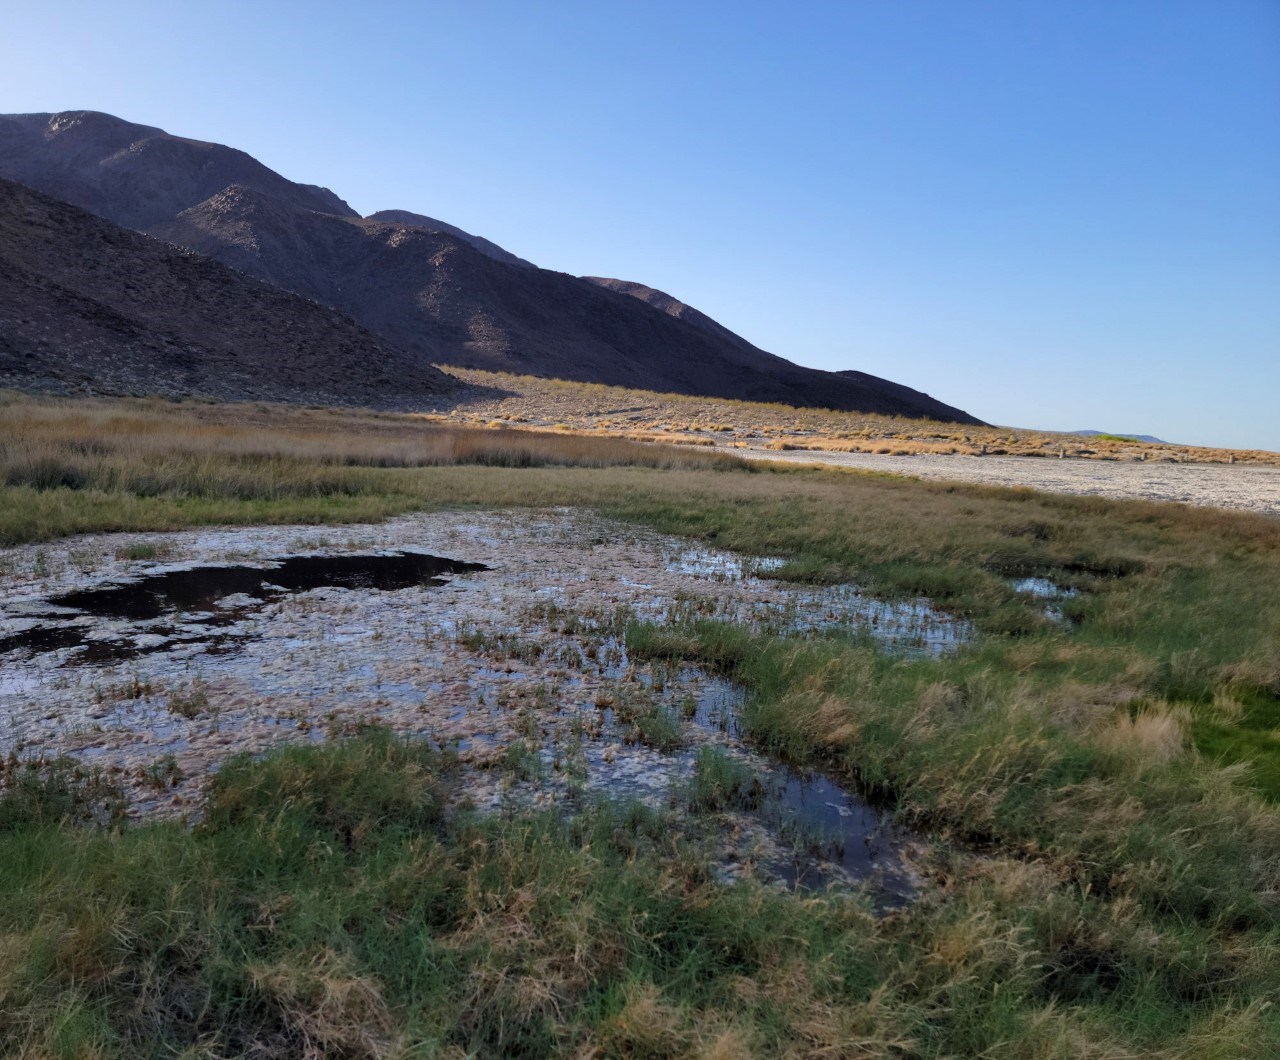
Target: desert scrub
[[328, 904]]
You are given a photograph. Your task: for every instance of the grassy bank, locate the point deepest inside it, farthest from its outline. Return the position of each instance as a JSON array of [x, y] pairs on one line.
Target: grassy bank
[[330, 905], [1117, 770]]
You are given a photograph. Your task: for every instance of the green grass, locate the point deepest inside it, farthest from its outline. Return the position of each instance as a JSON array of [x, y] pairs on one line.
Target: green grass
[[722, 782], [329, 903], [1246, 732], [142, 550], [980, 757], [658, 727], [44, 794]]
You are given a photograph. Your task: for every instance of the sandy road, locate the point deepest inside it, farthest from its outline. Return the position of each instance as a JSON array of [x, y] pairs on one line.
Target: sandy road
[[1245, 488]]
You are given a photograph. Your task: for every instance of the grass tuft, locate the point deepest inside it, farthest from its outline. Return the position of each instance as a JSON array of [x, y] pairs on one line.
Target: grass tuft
[[721, 782]]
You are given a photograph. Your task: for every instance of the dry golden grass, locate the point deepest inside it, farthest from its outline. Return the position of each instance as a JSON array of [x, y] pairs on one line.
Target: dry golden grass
[[1156, 735], [50, 441], [329, 1008], [537, 402]]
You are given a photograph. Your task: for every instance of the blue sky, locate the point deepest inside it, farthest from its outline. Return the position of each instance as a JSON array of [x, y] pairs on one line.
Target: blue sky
[[1053, 214]]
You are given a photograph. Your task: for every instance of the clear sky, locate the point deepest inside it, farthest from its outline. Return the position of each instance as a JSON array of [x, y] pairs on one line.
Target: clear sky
[[1052, 213]]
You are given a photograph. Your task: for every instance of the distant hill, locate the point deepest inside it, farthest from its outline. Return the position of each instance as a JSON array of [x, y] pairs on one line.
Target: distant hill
[[86, 304], [1149, 438], [428, 288]]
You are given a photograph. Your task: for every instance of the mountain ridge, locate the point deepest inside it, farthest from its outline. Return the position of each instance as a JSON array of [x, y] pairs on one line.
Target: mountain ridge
[[442, 294], [417, 220]]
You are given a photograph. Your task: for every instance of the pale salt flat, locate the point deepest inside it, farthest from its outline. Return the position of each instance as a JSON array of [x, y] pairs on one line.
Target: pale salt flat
[[1250, 488]]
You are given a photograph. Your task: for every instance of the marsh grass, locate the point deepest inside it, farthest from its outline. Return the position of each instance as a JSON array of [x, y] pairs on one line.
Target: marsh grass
[[644, 717], [329, 904], [721, 782], [150, 448], [658, 727], [74, 466], [1121, 799], [1118, 770], [46, 793], [521, 760], [143, 550], [189, 701], [1162, 587]]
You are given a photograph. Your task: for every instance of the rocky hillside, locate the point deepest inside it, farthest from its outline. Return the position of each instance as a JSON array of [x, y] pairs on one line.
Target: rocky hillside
[[88, 305], [673, 307], [441, 293], [430, 224], [132, 174]]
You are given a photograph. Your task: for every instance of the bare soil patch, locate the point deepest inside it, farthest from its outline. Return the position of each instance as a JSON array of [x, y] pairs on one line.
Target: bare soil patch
[[1241, 487]]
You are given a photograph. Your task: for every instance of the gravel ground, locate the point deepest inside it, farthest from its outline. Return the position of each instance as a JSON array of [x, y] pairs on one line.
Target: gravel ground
[[1245, 488]]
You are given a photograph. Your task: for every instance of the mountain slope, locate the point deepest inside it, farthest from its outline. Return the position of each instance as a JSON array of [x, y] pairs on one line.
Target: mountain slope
[[432, 289], [673, 307], [87, 304], [417, 220], [442, 297], [132, 174], [893, 397]]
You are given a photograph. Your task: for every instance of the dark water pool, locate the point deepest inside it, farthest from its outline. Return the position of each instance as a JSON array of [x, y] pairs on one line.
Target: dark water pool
[[197, 605], [825, 831], [826, 823]]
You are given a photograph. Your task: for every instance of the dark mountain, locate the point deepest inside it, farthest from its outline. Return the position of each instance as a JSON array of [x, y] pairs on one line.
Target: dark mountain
[[673, 307], [86, 304], [894, 396], [895, 390], [439, 295], [430, 224], [132, 174], [430, 288]]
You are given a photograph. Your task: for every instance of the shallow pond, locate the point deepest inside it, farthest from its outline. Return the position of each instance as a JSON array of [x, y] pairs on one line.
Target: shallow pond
[[1051, 595], [271, 634], [161, 609]]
